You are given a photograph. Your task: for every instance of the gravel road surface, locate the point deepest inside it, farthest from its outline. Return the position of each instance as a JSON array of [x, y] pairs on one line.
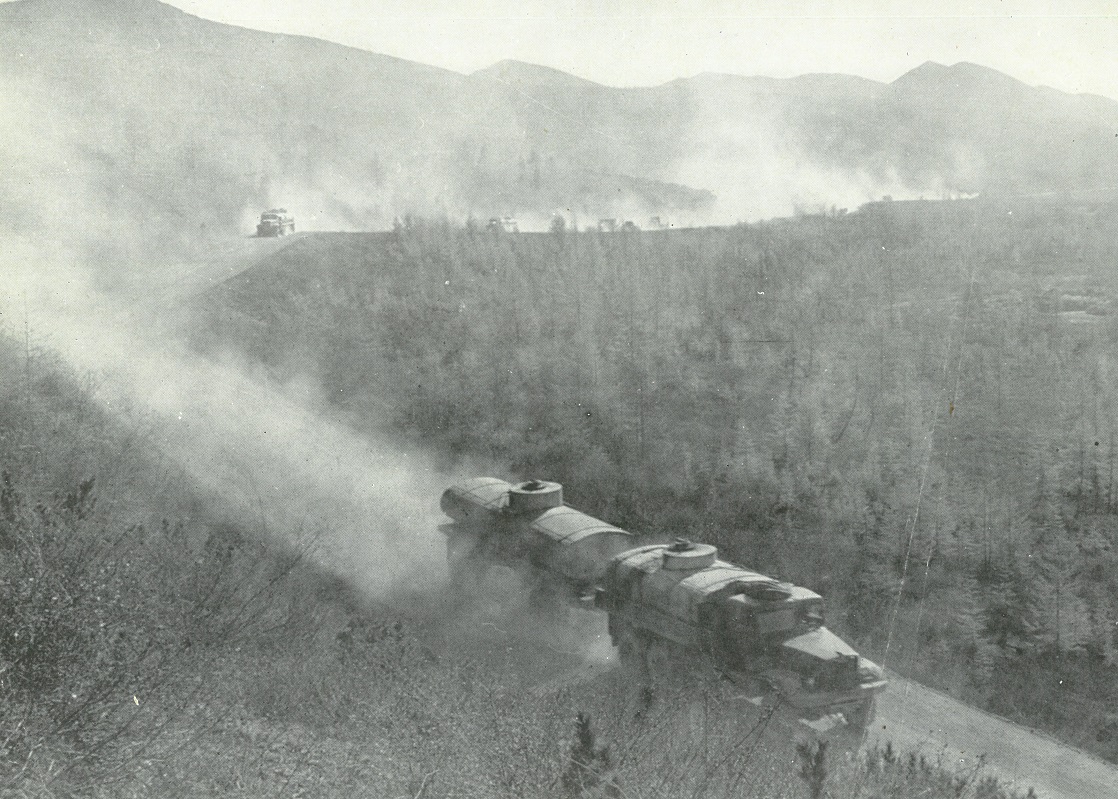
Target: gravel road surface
[[914, 718]]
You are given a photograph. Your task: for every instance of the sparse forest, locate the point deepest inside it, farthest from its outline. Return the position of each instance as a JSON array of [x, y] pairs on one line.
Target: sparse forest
[[910, 408], [151, 644]]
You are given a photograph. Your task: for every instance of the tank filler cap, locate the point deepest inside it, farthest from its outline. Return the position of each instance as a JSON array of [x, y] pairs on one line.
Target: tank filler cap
[[766, 590], [535, 496], [684, 555]]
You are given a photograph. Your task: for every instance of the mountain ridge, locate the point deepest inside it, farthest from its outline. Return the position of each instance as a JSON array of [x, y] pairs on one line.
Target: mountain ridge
[[511, 70], [170, 117], [94, 11]]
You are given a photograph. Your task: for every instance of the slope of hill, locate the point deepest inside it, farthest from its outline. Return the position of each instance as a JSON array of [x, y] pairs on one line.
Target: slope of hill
[[207, 587], [157, 640], [521, 75]]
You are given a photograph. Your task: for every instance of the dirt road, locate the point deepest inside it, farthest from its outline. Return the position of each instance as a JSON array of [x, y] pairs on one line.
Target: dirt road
[[917, 718]]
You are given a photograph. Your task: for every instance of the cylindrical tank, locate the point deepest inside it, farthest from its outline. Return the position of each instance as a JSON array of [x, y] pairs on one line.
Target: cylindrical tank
[[530, 520], [575, 545], [474, 500]]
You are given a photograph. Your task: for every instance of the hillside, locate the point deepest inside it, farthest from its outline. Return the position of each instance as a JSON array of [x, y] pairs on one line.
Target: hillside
[[178, 617], [912, 419], [211, 586], [129, 122]]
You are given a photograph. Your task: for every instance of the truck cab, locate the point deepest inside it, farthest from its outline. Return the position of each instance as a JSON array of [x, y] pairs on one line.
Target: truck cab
[[742, 622], [275, 222]]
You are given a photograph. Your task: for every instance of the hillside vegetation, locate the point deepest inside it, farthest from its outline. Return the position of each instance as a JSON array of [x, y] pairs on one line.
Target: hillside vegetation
[[909, 409], [152, 643]]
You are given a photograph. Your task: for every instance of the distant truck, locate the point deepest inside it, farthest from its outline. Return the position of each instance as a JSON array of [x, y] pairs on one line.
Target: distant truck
[[275, 222]]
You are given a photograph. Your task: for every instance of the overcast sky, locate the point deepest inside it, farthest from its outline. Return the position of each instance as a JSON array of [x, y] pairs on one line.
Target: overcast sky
[[1069, 45]]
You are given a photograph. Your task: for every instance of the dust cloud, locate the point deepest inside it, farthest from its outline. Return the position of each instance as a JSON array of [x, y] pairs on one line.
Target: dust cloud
[[746, 157], [779, 186], [264, 451]]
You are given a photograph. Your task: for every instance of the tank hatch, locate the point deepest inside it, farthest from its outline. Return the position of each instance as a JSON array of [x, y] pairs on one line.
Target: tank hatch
[[684, 555], [765, 590], [535, 496]]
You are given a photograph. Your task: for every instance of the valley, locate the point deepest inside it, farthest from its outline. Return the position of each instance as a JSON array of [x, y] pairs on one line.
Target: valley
[[858, 335]]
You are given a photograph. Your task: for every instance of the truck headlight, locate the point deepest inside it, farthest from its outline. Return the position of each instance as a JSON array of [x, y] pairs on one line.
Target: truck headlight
[[868, 671]]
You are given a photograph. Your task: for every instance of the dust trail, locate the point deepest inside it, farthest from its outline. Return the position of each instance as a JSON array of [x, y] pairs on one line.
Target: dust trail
[[263, 449]]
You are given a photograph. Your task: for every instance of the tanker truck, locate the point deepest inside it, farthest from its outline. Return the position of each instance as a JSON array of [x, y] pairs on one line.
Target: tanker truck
[[677, 598], [763, 633]]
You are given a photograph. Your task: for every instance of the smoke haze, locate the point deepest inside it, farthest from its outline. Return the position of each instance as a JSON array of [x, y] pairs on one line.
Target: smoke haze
[[270, 459]]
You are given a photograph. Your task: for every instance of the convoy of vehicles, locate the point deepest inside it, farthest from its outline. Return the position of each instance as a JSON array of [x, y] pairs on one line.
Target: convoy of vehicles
[[504, 224], [675, 597]]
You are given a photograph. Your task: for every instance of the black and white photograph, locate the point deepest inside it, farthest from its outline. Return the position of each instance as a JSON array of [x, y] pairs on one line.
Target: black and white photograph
[[559, 400]]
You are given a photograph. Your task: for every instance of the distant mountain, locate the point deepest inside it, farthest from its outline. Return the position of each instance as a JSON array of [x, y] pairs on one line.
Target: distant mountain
[[983, 131], [126, 119]]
